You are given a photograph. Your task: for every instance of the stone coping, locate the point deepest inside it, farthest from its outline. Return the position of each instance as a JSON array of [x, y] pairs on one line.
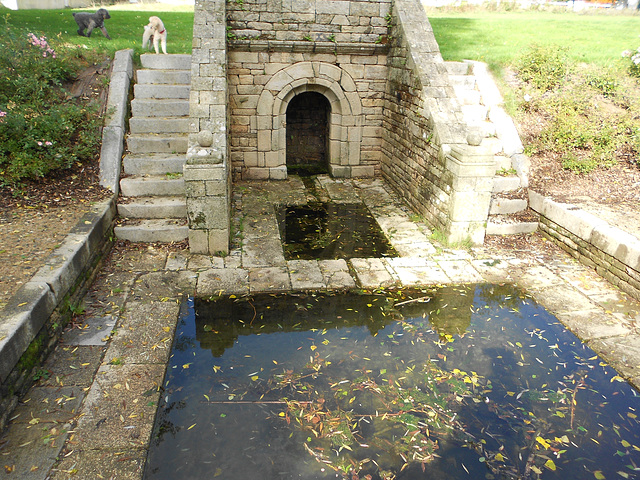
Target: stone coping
[[613, 252]]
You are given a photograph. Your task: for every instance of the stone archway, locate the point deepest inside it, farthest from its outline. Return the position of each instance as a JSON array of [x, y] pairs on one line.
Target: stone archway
[[345, 120]]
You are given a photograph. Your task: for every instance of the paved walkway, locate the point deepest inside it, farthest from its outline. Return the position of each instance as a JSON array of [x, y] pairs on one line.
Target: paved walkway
[[91, 414]]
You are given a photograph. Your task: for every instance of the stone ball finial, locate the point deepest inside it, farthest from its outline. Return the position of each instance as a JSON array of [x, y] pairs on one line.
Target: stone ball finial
[[474, 138], [205, 138]]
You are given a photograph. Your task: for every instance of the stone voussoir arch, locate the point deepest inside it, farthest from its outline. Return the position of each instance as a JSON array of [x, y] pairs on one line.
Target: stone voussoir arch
[[345, 122]]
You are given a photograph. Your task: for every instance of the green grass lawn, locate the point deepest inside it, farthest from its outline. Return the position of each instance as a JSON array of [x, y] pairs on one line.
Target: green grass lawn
[[497, 38], [125, 26]]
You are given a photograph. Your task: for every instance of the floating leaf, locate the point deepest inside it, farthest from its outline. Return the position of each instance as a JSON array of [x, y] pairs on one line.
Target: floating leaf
[[625, 444], [254, 378], [550, 465], [598, 474], [191, 426]]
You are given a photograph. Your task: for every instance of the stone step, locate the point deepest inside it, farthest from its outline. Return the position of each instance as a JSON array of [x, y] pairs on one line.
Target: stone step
[[507, 183], [158, 164], [153, 207], [166, 62], [488, 129], [167, 77], [464, 81], [458, 68], [147, 143], [466, 96], [159, 125], [159, 108], [503, 163], [149, 185], [157, 91], [507, 227], [474, 113], [155, 230], [507, 206]]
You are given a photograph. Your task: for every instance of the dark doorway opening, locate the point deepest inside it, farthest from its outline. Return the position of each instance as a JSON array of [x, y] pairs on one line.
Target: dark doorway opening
[[307, 134]]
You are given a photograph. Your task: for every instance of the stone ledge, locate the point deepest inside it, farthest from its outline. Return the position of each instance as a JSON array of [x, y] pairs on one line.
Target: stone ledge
[[618, 251]]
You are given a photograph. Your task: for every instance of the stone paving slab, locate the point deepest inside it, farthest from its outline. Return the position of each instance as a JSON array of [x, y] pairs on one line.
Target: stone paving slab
[[592, 324], [460, 271], [422, 272], [71, 365], [371, 273], [144, 334], [49, 405], [336, 274], [119, 408], [95, 331], [223, 281], [24, 453], [123, 464], [274, 279], [306, 275]]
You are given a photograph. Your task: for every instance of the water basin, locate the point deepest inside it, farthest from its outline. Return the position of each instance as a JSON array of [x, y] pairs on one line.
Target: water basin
[[460, 382]]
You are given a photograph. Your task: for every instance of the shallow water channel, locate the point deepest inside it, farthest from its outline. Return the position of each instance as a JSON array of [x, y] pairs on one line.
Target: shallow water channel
[[466, 382]]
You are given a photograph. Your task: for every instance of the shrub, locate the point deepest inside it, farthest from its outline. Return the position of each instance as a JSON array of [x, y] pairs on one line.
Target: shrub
[[586, 121], [544, 67], [634, 62], [41, 128]]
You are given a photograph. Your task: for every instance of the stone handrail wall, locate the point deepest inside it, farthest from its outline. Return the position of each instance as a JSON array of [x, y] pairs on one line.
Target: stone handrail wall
[[444, 173]]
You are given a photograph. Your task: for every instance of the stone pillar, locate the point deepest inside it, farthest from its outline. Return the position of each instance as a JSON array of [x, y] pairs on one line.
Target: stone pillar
[[207, 173], [472, 168]]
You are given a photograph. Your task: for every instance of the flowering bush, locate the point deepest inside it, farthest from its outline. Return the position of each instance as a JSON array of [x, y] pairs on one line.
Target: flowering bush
[[634, 64], [42, 129]]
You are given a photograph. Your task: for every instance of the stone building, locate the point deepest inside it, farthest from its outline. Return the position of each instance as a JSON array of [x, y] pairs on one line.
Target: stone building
[[353, 88]]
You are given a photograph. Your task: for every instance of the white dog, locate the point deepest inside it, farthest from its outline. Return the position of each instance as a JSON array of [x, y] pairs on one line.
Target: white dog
[[155, 32]]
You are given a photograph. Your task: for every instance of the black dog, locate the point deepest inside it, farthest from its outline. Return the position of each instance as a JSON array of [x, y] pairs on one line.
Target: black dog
[[89, 21]]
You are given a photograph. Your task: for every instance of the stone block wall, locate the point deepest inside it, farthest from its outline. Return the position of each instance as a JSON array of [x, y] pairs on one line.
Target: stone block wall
[[611, 252], [392, 109], [309, 21], [281, 48], [429, 158]]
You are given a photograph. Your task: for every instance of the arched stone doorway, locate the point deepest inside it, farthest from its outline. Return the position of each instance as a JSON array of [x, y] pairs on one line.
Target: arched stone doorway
[[308, 117], [344, 129]]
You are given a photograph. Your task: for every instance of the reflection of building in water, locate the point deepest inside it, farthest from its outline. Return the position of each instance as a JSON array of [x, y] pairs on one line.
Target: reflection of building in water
[[219, 324], [449, 310]]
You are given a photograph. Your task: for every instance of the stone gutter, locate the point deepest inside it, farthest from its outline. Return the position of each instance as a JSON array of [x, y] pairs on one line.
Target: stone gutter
[[28, 322]]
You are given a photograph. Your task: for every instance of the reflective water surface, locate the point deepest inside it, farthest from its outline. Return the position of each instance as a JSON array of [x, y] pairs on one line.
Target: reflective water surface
[[331, 231], [466, 382]]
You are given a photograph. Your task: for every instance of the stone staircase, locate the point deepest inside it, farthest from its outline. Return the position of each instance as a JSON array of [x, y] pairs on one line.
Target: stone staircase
[[152, 206], [481, 104]]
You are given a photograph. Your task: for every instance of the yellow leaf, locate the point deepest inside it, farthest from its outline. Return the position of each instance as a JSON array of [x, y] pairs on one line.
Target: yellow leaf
[[625, 443], [281, 414], [536, 469], [254, 378], [499, 457], [598, 474], [543, 442], [550, 465], [191, 426], [186, 365], [313, 347]]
